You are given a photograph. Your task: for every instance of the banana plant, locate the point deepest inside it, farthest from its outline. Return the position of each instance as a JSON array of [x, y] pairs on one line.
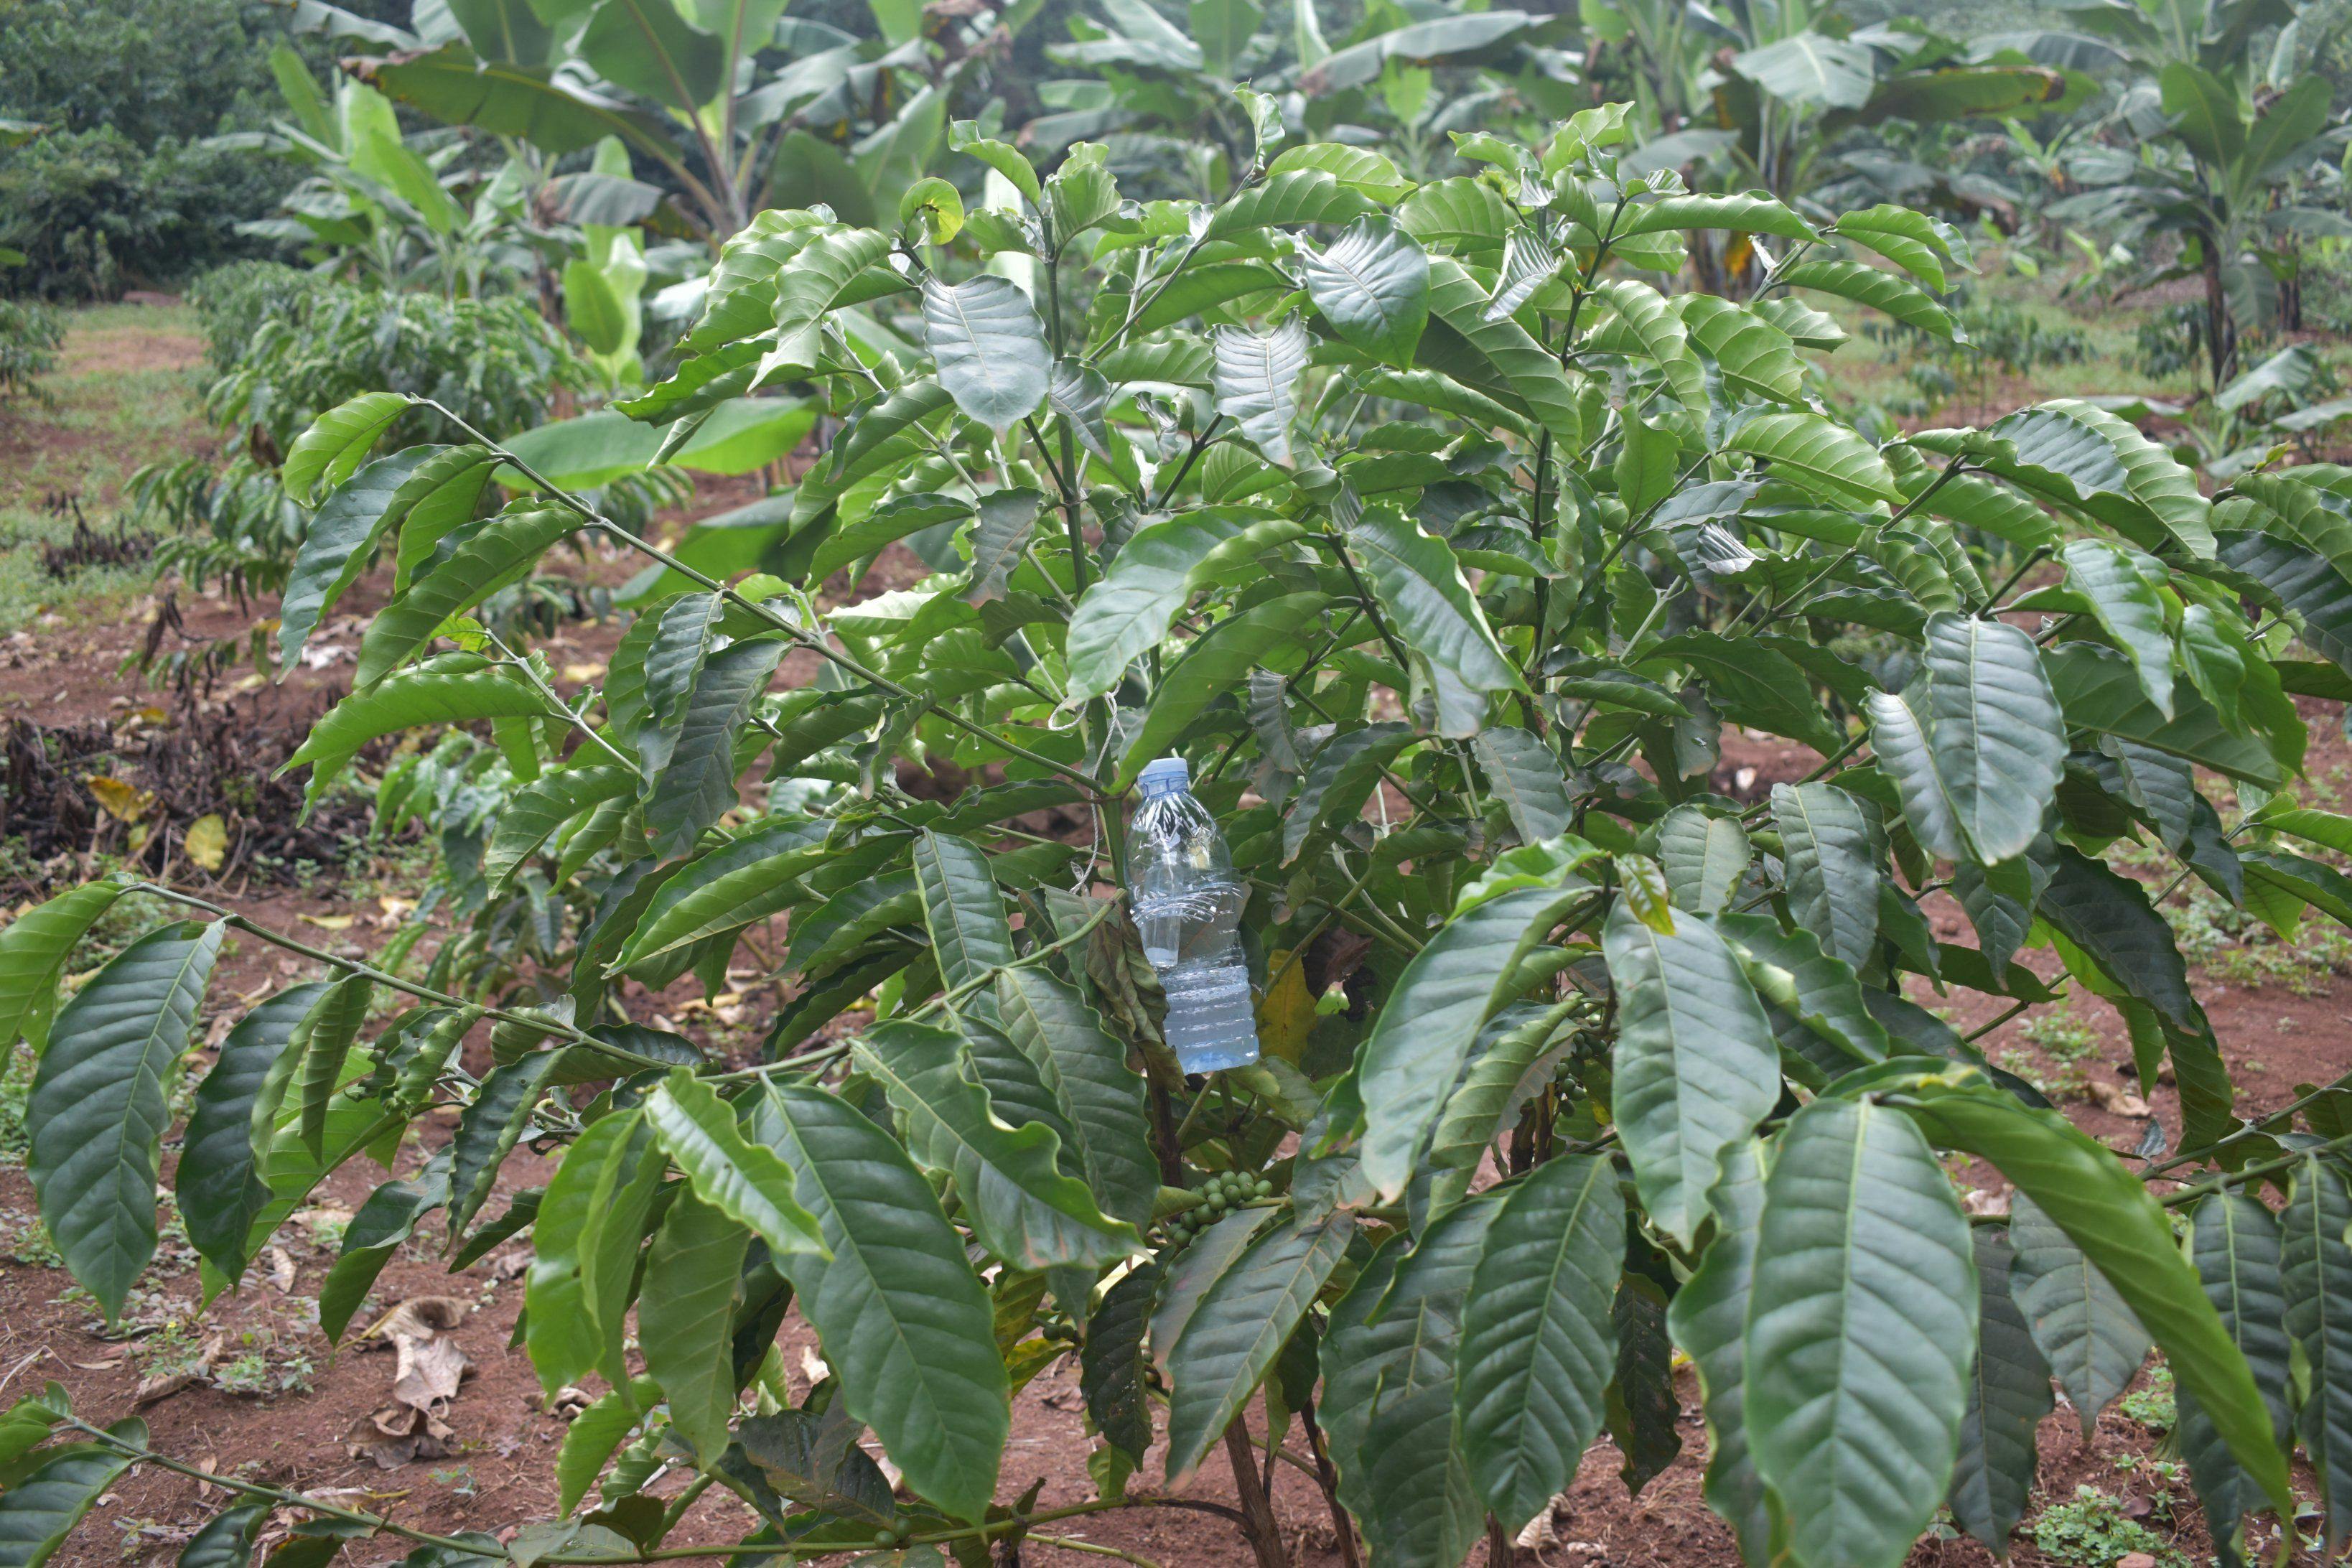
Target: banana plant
[[1167, 94], [403, 214], [729, 103], [1443, 544], [1778, 90], [2229, 181]]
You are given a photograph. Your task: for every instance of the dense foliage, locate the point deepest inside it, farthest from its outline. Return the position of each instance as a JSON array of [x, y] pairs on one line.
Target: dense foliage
[[31, 333], [293, 346], [1414, 514], [122, 190]]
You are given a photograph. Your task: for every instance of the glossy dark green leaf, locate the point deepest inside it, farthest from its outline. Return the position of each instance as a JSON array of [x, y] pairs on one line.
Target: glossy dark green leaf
[[2101, 691], [2086, 1332], [1388, 1358], [218, 1181], [101, 1099], [1023, 1208], [2108, 1213], [1525, 776], [990, 349], [1371, 284], [1643, 1410], [902, 1319], [1708, 1319], [1007, 520], [2008, 1394], [335, 545], [1339, 779], [1861, 1331], [227, 1539], [1832, 850], [1977, 755], [324, 1038], [1232, 1338], [1129, 609], [742, 1179], [389, 1217], [1084, 1066], [2235, 1243], [1537, 1353], [1112, 1362], [1186, 1282], [35, 946], [337, 442], [1416, 1052], [1256, 384], [502, 552], [594, 1433], [686, 1318], [2316, 1274], [487, 1131], [746, 880], [962, 907], [1267, 637], [1696, 1065], [1421, 589], [38, 1512], [695, 783], [2121, 586], [538, 811]]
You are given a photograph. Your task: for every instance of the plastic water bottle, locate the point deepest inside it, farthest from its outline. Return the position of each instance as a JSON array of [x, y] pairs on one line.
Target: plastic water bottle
[[1188, 905]]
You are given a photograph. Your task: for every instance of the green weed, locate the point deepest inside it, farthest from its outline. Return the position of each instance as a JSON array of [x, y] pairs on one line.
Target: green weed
[[2090, 1531]]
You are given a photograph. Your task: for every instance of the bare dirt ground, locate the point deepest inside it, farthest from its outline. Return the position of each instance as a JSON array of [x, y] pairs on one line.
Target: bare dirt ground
[[300, 1418]]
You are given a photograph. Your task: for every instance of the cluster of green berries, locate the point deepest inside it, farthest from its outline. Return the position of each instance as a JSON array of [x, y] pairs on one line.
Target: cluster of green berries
[[896, 1535], [1212, 1199]]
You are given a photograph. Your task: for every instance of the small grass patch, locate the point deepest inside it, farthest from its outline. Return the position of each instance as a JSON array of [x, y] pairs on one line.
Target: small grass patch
[[128, 393]]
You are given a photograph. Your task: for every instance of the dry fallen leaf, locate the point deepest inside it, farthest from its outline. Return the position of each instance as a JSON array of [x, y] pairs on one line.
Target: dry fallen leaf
[[206, 842], [427, 1368], [122, 802], [583, 672], [281, 1268], [2117, 1099], [330, 923], [161, 1385]]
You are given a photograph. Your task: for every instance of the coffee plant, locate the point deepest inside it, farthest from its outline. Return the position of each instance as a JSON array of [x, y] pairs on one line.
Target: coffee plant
[[1448, 548]]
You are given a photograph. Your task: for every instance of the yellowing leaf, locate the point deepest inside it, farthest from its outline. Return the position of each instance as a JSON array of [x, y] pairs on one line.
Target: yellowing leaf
[[206, 842], [1287, 1017], [329, 922], [121, 801]]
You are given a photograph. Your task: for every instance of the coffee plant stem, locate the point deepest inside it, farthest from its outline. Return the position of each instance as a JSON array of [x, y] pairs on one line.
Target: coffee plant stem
[[1259, 1525], [945, 1000], [2028, 565], [2252, 1129], [1200, 444], [2255, 1172], [278, 1495], [1327, 1479], [546, 1026], [798, 634], [2004, 1016], [1330, 912], [588, 731], [1073, 1543]]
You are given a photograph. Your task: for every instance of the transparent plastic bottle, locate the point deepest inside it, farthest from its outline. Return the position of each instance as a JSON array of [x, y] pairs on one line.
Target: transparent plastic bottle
[[1186, 904]]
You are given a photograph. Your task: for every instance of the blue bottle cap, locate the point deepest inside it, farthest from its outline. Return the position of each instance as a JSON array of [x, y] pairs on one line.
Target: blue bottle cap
[[1165, 775]]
